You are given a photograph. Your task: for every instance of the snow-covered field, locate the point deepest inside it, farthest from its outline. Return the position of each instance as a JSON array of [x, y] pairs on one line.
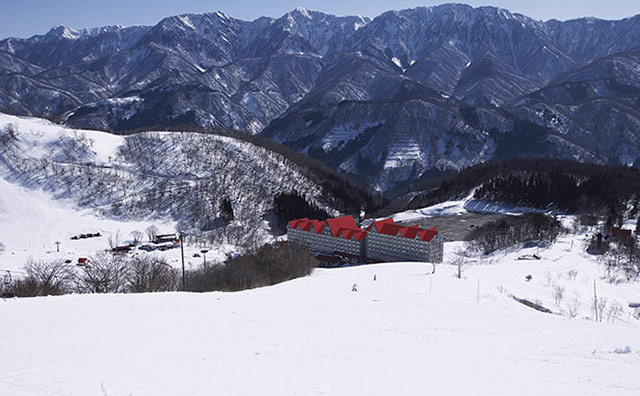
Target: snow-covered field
[[32, 222], [465, 205], [406, 333]]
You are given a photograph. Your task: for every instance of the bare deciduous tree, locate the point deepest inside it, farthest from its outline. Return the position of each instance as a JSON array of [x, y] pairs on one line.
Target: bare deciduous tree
[[460, 263], [614, 311], [149, 274], [152, 231], [114, 239], [558, 294], [600, 308], [574, 307], [105, 273], [136, 236], [48, 277]]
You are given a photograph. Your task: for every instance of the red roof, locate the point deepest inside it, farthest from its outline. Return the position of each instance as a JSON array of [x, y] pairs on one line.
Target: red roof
[[347, 233], [318, 225], [389, 227], [427, 235], [296, 222], [344, 226], [305, 225], [347, 228], [346, 222], [378, 224], [410, 232], [360, 235]]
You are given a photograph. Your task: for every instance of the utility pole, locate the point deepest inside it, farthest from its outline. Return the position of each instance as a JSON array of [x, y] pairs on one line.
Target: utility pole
[[184, 279], [204, 254], [58, 246], [595, 299]]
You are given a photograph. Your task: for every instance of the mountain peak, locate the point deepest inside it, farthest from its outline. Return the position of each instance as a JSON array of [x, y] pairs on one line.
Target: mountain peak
[[61, 31], [69, 33], [302, 11], [222, 15]]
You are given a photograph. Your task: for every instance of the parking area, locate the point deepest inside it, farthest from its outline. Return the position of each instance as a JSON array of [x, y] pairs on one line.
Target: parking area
[[455, 227]]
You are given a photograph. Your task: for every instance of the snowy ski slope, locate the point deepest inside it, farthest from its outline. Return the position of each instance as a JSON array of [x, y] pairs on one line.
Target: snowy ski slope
[[407, 333]]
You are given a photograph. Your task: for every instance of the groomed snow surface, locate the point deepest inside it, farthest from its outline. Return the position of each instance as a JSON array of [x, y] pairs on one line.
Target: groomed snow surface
[[406, 333]]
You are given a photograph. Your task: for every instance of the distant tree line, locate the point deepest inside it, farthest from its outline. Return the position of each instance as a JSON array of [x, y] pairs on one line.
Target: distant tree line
[[115, 273], [268, 266], [606, 193], [535, 182], [513, 230], [105, 273], [290, 206]]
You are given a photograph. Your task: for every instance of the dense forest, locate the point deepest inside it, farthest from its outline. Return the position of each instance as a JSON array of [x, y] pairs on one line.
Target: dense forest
[[290, 206], [609, 191], [540, 183], [512, 230]]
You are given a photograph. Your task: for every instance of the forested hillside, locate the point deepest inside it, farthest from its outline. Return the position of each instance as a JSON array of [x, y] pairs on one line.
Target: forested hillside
[[217, 188], [534, 182]]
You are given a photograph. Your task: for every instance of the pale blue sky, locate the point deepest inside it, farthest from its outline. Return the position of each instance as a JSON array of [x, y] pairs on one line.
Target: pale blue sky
[[24, 18]]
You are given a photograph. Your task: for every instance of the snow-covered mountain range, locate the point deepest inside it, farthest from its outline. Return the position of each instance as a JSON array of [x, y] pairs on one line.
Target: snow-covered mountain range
[[389, 99]]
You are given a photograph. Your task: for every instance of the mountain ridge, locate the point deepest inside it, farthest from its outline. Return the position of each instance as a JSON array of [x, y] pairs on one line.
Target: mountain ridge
[[427, 77]]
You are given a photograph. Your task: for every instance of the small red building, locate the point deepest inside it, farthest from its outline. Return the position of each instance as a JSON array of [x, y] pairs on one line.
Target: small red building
[[620, 235]]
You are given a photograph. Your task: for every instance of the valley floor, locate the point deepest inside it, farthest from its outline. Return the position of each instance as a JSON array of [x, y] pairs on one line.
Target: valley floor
[[406, 333]]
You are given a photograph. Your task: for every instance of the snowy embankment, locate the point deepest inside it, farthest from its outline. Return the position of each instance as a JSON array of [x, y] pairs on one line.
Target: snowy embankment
[[406, 333], [448, 208], [467, 204], [484, 206]]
